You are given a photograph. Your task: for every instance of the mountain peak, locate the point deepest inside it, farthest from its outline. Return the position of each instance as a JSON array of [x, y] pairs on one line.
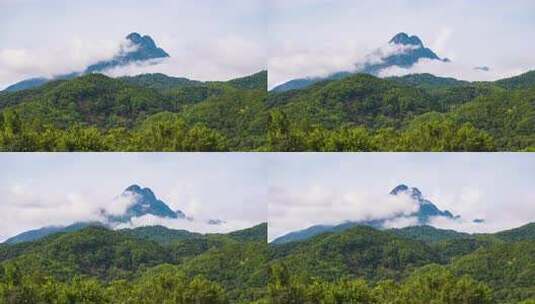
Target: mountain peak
[[427, 208], [133, 188], [146, 192], [405, 39], [399, 188], [143, 202], [144, 49], [145, 42]]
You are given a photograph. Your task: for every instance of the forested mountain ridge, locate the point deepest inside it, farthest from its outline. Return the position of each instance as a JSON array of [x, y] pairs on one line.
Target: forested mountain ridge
[[411, 265], [410, 113], [98, 265], [361, 112], [98, 113]]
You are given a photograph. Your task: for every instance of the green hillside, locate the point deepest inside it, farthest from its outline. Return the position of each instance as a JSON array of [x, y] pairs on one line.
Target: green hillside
[[155, 112], [144, 265], [411, 265]]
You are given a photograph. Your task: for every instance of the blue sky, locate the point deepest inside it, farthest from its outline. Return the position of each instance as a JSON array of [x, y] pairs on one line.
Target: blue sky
[[317, 37], [325, 188], [44, 189], [208, 40]]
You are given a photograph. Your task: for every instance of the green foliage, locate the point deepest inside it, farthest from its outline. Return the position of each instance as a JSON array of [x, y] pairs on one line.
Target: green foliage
[[411, 265], [431, 284], [155, 112], [97, 265], [431, 132]]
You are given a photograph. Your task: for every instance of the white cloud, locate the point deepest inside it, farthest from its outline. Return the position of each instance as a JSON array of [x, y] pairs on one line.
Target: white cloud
[[46, 61], [463, 71], [199, 225], [312, 189], [223, 58], [208, 40], [25, 208], [335, 34], [295, 209], [46, 189]]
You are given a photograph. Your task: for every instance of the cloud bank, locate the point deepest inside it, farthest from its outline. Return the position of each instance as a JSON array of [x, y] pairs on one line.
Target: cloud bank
[[312, 189], [47, 189], [208, 40], [318, 205], [318, 37]]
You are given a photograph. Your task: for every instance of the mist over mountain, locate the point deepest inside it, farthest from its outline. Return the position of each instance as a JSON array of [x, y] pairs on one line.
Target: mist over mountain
[[139, 202], [426, 212], [142, 201], [402, 51], [137, 49]]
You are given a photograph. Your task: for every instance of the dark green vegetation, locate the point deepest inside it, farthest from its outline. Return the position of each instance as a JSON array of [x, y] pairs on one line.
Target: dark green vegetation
[[155, 112], [144, 113], [143, 265], [416, 265], [410, 113]]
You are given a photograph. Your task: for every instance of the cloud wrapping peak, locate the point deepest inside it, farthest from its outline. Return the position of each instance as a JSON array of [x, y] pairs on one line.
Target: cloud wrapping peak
[[323, 206]]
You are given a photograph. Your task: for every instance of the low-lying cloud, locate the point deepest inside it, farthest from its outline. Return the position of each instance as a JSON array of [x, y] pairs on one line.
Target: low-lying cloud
[[200, 224], [291, 210], [75, 55], [223, 58], [29, 209], [461, 71], [317, 38]]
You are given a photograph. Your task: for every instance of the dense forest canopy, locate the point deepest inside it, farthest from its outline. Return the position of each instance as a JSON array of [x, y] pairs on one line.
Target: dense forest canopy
[[418, 264], [155, 112], [406, 266], [143, 265]]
